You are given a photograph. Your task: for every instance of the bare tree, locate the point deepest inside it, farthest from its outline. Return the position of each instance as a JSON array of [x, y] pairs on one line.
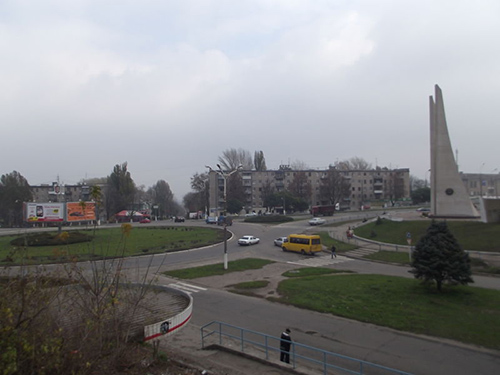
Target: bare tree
[[299, 165], [200, 183], [300, 186], [334, 187], [232, 158], [353, 164]]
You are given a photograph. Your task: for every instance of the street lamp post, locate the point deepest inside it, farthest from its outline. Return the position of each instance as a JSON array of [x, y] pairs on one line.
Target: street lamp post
[[495, 181], [481, 179], [224, 176]]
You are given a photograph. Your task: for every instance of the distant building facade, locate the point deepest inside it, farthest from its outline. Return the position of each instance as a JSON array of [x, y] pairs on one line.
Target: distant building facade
[[60, 193], [481, 184], [365, 186]]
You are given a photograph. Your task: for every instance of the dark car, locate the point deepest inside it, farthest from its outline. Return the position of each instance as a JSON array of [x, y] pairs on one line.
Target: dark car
[[179, 219], [225, 220]]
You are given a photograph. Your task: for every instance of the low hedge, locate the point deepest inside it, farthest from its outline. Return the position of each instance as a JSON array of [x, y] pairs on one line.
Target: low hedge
[[268, 219], [51, 239]]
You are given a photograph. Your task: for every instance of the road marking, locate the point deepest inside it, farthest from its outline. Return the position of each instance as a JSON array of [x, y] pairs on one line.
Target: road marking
[[188, 288], [321, 261]]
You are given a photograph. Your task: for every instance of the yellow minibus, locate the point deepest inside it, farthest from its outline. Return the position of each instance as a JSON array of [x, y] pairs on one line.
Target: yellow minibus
[[303, 243]]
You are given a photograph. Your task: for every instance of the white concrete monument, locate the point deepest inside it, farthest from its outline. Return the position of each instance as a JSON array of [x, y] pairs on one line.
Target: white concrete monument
[[449, 197]]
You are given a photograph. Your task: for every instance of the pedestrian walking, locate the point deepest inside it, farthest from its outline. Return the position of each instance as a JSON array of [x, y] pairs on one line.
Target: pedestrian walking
[[334, 251], [285, 343]]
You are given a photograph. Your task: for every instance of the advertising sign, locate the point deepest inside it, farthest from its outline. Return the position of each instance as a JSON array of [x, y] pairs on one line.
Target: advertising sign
[[44, 212], [76, 211]]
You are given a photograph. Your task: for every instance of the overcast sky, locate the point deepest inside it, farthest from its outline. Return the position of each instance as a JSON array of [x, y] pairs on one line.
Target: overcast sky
[[168, 85]]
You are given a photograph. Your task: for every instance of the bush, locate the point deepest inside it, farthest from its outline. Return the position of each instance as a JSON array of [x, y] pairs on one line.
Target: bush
[[51, 239], [268, 219]]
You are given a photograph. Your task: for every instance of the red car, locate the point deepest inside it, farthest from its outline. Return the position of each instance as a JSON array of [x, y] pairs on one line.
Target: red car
[[145, 221]]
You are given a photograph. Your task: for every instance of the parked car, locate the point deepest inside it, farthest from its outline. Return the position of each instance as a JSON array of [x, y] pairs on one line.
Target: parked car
[[424, 209], [221, 220], [145, 221], [211, 220], [248, 240], [179, 219], [317, 221], [250, 214], [280, 240]]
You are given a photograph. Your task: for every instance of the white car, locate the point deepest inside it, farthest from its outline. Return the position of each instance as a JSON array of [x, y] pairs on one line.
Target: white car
[[280, 240], [317, 221], [248, 240]]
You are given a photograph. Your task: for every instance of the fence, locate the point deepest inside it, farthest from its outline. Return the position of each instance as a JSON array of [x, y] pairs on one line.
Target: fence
[[303, 356]]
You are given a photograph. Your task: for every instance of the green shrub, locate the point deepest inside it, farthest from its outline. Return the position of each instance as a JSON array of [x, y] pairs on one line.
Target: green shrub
[[268, 219], [51, 239]]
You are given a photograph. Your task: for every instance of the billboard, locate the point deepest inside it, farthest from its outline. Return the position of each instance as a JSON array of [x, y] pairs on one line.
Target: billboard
[[80, 211], [44, 212]]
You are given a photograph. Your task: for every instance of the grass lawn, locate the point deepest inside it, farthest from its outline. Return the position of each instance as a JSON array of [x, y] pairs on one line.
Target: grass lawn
[[312, 271], [466, 314], [112, 243], [218, 269], [328, 242], [471, 235], [400, 257]]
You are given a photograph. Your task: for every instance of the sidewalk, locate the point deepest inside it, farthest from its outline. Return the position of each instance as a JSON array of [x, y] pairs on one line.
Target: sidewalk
[[185, 347]]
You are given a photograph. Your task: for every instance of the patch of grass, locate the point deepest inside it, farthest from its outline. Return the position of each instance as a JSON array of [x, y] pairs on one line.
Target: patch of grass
[[218, 269], [466, 314], [311, 271], [472, 235], [256, 284], [399, 257], [341, 246], [108, 243]]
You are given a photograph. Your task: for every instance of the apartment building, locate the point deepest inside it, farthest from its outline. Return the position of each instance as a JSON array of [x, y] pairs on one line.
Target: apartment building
[[481, 184], [365, 186], [60, 193]]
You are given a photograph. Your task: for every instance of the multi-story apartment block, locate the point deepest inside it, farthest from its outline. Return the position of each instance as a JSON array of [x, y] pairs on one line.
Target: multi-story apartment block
[[60, 193], [365, 186]]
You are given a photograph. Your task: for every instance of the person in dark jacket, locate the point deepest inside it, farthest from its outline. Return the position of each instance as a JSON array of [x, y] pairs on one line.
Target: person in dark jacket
[[285, 343]]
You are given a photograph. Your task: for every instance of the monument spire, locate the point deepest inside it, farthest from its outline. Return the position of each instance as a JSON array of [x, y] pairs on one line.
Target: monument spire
[[448, 194]]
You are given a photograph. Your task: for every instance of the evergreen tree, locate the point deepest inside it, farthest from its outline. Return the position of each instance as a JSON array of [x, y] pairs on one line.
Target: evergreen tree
[[120, 191], [14, 190], [439, 257]]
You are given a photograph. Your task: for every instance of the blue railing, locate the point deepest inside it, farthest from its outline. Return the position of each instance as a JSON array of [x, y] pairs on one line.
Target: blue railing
[[301, 355]]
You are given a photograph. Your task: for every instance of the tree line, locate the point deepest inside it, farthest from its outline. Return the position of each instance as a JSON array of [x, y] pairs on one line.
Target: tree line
[[120, 192], [113, 193]]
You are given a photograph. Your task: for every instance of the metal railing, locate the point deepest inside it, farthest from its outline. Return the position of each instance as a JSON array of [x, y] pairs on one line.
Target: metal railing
[[260, 344]]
